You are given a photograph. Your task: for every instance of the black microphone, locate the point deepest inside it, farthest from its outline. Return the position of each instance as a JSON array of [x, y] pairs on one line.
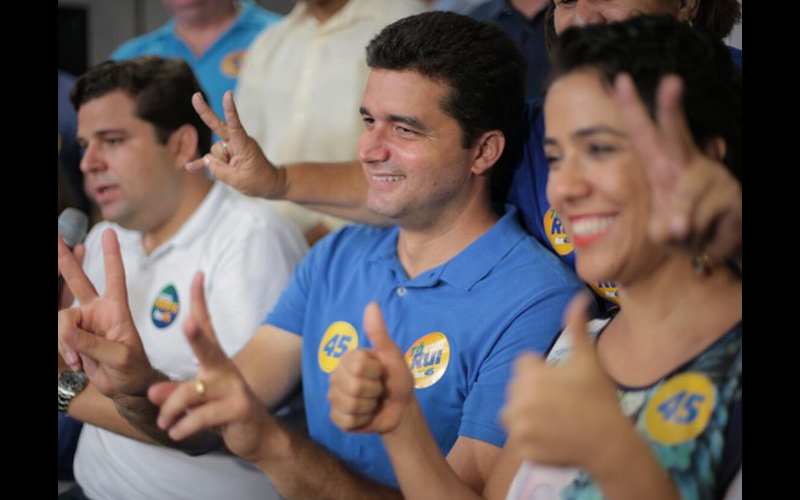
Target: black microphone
[[72, 227]]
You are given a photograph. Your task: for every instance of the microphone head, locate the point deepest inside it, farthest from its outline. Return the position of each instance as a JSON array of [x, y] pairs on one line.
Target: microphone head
[[72, 226]]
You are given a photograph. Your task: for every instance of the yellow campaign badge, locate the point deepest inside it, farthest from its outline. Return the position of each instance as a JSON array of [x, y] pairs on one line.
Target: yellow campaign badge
[[339, 338], [556, 233], [231, 63], [427, 358], [680, 409], [607, 290]]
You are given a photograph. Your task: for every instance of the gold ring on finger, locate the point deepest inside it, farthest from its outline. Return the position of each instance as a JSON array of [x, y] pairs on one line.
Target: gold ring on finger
[[200, 387]]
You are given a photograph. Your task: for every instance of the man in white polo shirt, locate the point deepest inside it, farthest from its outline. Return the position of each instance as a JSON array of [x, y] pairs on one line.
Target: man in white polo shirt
[[138, 130]]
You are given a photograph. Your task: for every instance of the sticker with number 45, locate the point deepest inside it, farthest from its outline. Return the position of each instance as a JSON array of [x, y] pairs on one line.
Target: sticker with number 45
[[339, 338], [680, 409]]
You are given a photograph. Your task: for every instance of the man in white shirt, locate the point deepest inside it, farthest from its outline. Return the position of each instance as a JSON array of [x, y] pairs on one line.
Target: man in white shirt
[[138, 130], [301, 85]]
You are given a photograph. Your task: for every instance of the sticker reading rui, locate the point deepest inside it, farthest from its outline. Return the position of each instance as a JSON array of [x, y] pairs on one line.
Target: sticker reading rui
[[339, 338], [556, 233], [428, 358]]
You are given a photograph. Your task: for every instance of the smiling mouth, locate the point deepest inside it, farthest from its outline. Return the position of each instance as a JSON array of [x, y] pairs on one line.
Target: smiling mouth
[[586, 230]]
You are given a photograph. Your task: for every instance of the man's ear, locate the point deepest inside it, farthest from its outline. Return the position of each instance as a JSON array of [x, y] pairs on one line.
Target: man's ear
[[716, 148], [182, 144], [688, 10], [488, 150]]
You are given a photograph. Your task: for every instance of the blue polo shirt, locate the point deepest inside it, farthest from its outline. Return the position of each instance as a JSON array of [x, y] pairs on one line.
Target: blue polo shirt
[[218, 67], [461, 325]]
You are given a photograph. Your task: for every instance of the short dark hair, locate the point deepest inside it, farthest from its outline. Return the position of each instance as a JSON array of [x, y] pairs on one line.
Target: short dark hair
[[715, 17], [162, 89], [651, 47], [478, 62]]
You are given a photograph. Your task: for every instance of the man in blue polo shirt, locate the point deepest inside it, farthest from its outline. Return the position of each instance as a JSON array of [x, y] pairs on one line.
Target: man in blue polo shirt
[[462, 288], [211, 36]]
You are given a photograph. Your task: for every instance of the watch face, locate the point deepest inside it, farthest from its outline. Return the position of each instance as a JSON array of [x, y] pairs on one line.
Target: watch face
[[73, 382], [70, 384]]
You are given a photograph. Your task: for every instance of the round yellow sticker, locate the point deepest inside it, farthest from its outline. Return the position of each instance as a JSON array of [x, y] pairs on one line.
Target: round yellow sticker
[[680, 409], [428, 358], [556, 233], [607, 290], [339, 338], [231, 63]]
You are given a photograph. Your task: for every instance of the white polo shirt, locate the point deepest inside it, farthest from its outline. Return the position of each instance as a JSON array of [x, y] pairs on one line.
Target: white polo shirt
[[247, 252]]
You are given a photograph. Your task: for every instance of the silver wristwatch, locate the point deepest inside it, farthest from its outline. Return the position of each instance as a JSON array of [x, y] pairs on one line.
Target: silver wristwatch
[[70, 384]]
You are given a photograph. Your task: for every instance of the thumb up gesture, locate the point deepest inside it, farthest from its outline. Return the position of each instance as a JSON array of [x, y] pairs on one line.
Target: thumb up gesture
[[564, 415], [371, 389]]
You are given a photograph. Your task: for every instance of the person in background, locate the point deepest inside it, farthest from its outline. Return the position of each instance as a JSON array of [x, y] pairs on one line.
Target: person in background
[[212, 36], [457, 6], [524, 21], [715, 17]]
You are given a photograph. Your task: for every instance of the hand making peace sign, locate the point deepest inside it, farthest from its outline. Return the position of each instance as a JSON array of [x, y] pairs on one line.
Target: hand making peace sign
[[697, 203], [218, 398], [99, 334], [237, 160]]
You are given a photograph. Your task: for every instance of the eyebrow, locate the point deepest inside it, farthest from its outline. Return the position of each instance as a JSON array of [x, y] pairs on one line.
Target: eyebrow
[[102, 133], [408, 120], [587, 132], [597, 129]]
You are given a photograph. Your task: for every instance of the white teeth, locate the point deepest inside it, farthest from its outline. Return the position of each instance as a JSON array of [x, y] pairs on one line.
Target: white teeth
[[591, 225], [388, 178]]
